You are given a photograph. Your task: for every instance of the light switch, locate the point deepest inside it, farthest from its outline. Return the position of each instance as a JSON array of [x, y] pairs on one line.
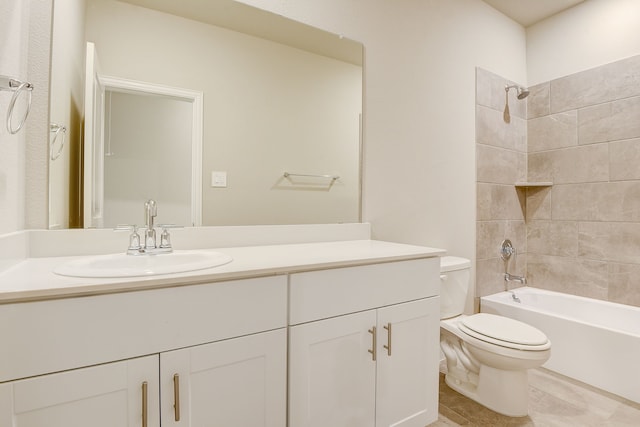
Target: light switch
[[219, 179]]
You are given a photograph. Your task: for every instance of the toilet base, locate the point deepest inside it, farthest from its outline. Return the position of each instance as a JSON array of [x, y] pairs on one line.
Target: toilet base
[[502, 391]]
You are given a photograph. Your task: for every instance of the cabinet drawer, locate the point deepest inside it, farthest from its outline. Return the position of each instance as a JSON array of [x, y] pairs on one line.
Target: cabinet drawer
[[321, 294], [49, 336]]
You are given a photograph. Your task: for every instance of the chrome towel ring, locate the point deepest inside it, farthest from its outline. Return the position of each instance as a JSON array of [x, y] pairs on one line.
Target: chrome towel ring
[[17, 87]]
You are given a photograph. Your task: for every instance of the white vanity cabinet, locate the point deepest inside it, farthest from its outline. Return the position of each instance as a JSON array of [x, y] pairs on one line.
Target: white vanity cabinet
[[110, 395], [407, 363], [233, 383], [366, 353], [331, 376], [81, 361], [339, 334]]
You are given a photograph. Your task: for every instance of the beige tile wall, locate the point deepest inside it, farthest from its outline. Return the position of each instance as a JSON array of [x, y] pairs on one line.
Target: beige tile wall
[[581, 132], [583, 234], [501, 161]]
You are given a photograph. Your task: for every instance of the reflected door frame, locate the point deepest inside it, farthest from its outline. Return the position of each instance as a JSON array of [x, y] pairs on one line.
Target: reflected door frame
[[195, 98]]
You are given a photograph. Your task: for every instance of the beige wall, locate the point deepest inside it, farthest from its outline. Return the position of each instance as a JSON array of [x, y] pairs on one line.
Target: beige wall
[[583, 233], [419, 112], [420, 115], [14, 24], [419, 159], [593, 33], [25, 28], [419, 130]]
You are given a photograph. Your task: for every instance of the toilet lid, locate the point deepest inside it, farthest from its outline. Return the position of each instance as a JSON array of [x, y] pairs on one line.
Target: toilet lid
[[503, 329]]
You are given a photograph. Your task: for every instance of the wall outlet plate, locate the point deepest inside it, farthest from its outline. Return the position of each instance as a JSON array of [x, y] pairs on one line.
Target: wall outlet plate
[[219, 179]]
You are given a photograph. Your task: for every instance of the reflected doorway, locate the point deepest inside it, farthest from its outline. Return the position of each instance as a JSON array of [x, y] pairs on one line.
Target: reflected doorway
[[146, 144], [147, 155]]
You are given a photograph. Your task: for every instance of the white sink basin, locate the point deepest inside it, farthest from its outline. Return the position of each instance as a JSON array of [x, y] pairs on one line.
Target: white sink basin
[[123, 265]]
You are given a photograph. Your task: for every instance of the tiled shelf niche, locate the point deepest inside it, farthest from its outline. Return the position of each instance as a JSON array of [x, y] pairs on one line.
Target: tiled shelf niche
[[533, 184], [528, 189]]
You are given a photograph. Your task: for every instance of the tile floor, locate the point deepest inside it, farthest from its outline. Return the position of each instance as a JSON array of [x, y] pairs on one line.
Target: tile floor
[[554, 401]]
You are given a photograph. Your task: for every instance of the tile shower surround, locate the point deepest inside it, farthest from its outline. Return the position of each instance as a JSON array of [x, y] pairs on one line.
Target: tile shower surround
[[501, 160], [582, 132]]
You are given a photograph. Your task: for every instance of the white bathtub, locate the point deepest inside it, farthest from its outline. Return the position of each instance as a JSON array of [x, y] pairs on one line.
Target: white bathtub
[[593, 341]]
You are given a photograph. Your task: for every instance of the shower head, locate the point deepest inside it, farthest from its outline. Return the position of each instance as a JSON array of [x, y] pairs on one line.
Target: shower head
[[521, 92]]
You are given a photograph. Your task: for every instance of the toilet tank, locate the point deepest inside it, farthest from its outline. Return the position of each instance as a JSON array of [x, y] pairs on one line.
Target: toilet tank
[[455, 275]]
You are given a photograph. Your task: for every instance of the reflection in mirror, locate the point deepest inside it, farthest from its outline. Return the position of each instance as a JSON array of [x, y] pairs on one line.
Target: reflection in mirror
[[141, 141], [147, 155], [269, 107]]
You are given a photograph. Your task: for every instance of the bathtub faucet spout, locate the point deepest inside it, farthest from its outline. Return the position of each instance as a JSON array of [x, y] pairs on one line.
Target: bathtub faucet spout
[[514, 296], [513, 278]]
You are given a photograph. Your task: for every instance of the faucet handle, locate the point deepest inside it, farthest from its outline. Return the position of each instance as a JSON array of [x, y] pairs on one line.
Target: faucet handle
[[134, 238], [165, 226], [165, 237]]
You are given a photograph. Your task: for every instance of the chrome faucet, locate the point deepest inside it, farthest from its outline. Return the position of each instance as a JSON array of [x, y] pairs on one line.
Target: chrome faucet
[[150, 212], [513, 278], [514, 296], [150, 245]]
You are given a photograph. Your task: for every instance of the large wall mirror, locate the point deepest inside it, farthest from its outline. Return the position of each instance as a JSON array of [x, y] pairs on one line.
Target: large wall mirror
[[281, 117]]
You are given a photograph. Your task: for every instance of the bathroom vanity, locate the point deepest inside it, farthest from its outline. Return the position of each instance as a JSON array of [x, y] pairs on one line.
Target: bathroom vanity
[[341, 333]]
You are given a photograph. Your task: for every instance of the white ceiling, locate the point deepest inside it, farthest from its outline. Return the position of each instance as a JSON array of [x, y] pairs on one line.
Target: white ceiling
[[528, 12]]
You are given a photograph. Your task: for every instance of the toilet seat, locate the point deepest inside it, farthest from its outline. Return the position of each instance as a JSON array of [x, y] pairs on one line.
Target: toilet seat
[[505, 332]]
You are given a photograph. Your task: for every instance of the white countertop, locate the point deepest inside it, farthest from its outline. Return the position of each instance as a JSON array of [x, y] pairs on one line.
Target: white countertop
[[33, 278]]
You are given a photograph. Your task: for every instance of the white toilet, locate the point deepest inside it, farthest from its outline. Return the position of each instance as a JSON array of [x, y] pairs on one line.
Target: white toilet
[[487, 355]]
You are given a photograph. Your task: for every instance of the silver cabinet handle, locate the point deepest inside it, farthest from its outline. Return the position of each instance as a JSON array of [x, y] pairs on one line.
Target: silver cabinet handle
[[374, 344], [176, 396], [388, 346], [145, 400]]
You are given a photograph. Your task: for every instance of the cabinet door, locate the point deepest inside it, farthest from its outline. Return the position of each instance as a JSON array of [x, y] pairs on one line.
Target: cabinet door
[[238, 382], [332, 373], [407, 380], [109, 395]]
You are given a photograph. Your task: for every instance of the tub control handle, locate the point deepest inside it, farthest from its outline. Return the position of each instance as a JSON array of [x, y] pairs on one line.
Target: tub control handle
[[374, 343], [506, 250]]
